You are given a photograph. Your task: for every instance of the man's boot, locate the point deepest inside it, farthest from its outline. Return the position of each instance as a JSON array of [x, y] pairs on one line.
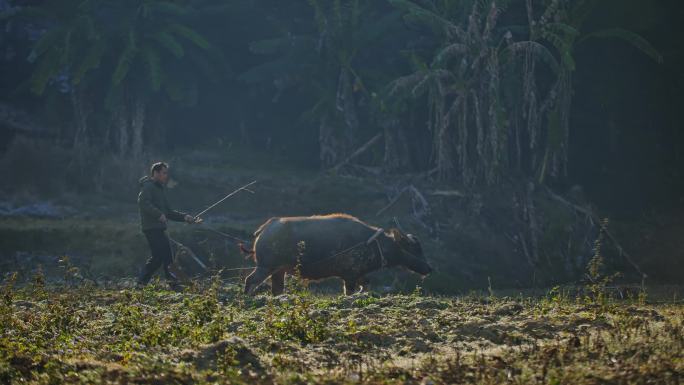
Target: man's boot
[[148, 270]]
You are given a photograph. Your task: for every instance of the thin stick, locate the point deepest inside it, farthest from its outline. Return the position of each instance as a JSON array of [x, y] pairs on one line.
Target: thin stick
[[590, 214], [358, 152], [190, 252], [392, 202], [223, 234], [226, 197]]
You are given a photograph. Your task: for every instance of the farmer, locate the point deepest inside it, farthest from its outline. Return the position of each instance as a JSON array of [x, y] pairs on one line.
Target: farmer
[[154, 213]]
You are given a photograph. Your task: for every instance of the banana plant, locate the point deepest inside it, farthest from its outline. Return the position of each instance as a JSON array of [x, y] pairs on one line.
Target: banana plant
[[487, 114], [71, 46], [461, 82], [327, 66], [130, 49], [159, 50], [561, 25]]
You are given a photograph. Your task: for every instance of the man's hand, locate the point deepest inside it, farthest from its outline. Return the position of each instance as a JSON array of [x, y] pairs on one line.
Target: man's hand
[[191, 219], [162, 218]]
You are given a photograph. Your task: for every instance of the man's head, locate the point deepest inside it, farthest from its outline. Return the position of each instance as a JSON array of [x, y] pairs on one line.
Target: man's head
[[159, 172]]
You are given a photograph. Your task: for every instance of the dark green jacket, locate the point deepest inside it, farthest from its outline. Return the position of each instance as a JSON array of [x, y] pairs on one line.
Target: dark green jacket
[[152, 204]]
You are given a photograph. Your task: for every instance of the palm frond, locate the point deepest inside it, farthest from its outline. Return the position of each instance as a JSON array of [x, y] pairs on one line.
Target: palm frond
[[372, 31], [48, 66], [581, 10], [448, 52], [562, 29], [399, 86], [630, 37], [125, 59], [190, 34], [563, 43], [170, 43], [153, 64], [46, 42], [424, 16], [90, 61], [538, 50]]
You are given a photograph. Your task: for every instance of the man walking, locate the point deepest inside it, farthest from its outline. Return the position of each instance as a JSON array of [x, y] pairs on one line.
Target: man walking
[[154, 213]]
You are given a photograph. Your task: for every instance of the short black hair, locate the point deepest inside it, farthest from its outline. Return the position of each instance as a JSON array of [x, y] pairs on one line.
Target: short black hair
[[158, 167]]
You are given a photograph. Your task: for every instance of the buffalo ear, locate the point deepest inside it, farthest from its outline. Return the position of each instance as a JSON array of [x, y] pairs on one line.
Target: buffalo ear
[[397, 235], [394, 234]]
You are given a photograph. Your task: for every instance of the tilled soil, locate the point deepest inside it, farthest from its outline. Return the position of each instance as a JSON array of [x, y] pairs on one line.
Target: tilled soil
[[211, 333]]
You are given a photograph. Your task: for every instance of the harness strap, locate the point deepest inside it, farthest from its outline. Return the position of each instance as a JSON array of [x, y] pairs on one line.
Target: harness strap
[[365, 243], [374, 236], [182, 246], [383, 261]]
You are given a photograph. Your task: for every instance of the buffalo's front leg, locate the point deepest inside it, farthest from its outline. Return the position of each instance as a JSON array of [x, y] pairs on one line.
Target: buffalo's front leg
[[278, 282], [255, 279]]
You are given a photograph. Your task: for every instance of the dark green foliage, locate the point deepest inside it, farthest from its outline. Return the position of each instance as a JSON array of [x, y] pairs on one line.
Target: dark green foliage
[[350, 69], [123, 53]]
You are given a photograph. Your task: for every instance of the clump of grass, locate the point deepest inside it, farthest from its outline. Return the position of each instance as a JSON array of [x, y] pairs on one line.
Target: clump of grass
[[6, 313], [598, 281]]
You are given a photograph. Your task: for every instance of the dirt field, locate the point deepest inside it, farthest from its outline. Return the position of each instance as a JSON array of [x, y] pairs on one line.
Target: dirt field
[[210, 333]]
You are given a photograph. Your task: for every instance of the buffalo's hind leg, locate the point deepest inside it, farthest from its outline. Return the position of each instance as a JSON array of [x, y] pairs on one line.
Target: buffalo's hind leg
[[278, 282], [255, 279], [363, 283], [352, 285]]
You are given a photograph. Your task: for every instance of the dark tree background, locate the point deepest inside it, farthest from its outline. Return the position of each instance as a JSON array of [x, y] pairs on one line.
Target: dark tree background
[[468, 94]]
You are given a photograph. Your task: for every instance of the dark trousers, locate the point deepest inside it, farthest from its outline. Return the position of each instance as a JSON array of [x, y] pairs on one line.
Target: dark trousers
[[161, 255]]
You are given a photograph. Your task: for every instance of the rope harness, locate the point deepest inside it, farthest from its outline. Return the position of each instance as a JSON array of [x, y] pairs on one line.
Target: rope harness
[[367, 243]]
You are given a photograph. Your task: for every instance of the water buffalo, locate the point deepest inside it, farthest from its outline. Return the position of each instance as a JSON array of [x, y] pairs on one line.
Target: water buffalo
[[336, 245]]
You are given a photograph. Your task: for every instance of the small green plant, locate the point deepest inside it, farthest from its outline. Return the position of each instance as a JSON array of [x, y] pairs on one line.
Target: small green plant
[[597, 280], [490, 290], [293, 318], [8, 293], [296, 284], [39, 290], [555, 299], [70, 273], [228, 364], [642, 296], [364, 301]]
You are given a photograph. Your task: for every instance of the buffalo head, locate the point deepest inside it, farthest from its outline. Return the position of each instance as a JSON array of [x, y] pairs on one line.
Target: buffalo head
[[407, 252]]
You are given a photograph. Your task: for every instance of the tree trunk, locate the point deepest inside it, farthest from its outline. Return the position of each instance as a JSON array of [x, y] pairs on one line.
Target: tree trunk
[[80, 116], [154, 124], [396, 148], [346, 105], [137, 125], [327, 143], [121, 123]]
